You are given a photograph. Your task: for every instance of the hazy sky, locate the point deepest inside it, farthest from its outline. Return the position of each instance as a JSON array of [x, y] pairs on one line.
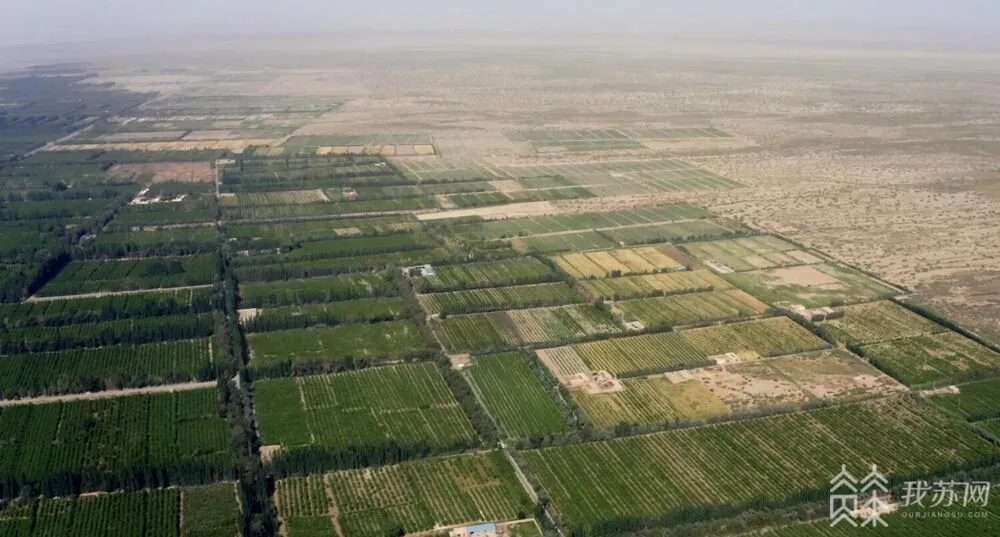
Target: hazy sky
[[42, 21]]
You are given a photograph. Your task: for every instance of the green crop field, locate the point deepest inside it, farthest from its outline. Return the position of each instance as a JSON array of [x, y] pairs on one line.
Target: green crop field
[[749, 253], [654, 284], [406, 405], [342, 312], [685, 349], [106, 308], [123, 331], [339, 265], [673, 231], [479, 331], [581, 240], [878, 321], [198, 511], [499, 298], [345, 247], [515, 227], [85, 445], [514, 397], [128, 274], [326, 289], [86, 369], [486, 274], [345, 343], [931, 358], [252, 213], [609, 487], [975, 401], [404, 498], [273, 235], [811, 286], [691, 307]]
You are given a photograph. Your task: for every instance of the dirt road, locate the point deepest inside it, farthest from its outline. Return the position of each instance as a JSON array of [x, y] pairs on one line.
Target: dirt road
[[187, 386]]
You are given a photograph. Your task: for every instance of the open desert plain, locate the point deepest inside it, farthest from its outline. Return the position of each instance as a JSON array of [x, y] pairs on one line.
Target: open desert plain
[[502, 287]]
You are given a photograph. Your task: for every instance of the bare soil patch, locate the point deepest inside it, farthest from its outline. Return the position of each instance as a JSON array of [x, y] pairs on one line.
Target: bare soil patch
[[186, 172]]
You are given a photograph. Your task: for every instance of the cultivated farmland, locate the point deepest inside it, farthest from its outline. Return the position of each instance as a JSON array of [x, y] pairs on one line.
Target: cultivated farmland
[[749, 253], [408, 497], [901, 435], [405, 405], [691, 307], [974, 401], [125, 275], [206, 511], [499, 298], [654, 284], [878, 321], [811, 285], [315, 290], [655, 353], [482, 331], [55, 446], [336, 344], [514, 397], [933, 358], [604, 263], [341, 312], [486, 274]]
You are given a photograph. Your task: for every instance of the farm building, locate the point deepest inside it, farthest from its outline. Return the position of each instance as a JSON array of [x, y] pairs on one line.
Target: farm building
[[478, 530]]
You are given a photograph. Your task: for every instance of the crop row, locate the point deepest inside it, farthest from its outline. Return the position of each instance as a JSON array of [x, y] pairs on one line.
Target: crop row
[[626, 484], [406, 405], [692, 307], [125, 331], [514, 397], [106, 308], [498, 298], [129, 274], [485, 274], [654, 284], [342, 312], [481, 331], [346, 247], [91, 369], [315, 290], [102, 443]]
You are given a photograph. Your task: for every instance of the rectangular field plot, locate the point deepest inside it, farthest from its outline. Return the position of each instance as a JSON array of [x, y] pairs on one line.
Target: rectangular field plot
[[623, 261], [514, 397], [313, 290], [408, 497], [649, 478], [515, 227], [87, 369], [80, 277], [120, 332], [654, 284], [669, 351], [209, 510], [549, 141], [749, 253], [811, 286], [673, 231], [346, 247], [676, 133], [340, 312], [691, 307], [500, 298], [78, 446], [650, 400], [483, 331], [345, 343], [974, 401], [947, 356], [485, 274], [876, 322], [328, 209], [149, 242], [74, 310], [405, 405], [582, 240], [264, 236], [254, 199]]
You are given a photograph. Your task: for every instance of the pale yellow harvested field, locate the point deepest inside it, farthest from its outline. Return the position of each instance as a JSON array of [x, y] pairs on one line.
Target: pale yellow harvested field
[[623, 261]]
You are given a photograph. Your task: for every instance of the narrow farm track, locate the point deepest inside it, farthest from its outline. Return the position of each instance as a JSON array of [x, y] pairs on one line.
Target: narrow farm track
[[183, 387], [111, 293]]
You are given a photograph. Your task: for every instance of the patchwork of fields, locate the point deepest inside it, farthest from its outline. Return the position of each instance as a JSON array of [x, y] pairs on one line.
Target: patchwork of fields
[[322, 312]]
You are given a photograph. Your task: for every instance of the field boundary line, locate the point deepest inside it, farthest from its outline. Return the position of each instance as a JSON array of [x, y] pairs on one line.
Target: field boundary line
[[166, 388]]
